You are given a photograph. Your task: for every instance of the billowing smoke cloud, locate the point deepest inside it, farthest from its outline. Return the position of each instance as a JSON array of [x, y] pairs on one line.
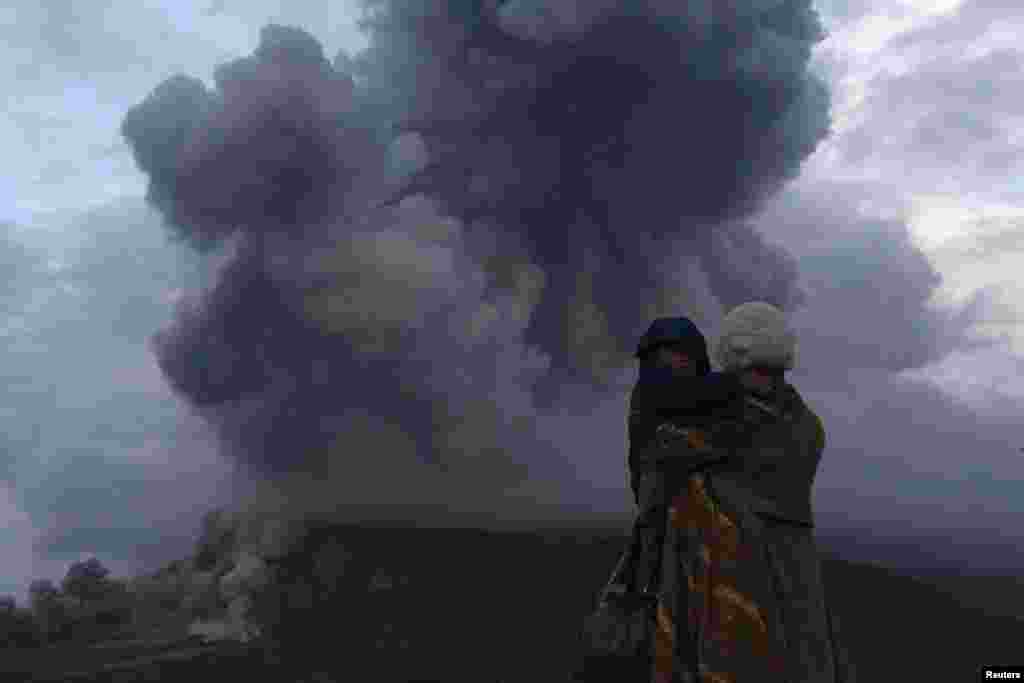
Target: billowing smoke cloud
[[463, 230], [853, 262], [593, 133]]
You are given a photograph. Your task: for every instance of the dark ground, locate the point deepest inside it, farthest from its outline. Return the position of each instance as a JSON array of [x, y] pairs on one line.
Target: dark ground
[[464, 605]]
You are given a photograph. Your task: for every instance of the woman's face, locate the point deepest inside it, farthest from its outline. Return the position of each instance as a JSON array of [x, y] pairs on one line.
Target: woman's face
[[678, 359], [761, 379]]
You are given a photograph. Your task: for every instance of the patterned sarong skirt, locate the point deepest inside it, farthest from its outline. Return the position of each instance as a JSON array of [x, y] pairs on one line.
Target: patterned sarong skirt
[[716, 619]]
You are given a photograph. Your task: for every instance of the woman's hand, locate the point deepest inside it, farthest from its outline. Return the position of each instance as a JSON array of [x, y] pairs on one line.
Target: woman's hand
[[694, 438], [670, 437], [686, 448]]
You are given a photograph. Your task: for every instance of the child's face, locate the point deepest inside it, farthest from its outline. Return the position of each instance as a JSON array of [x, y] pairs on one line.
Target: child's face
[[678, 359]]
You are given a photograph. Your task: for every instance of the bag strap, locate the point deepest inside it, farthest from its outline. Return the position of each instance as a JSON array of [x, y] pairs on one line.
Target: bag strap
[[652, 557], [634, 553], [613, 580]]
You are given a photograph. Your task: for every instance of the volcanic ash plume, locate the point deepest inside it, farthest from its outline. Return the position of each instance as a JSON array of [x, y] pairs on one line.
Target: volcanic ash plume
[[466, 226], [598, 133]]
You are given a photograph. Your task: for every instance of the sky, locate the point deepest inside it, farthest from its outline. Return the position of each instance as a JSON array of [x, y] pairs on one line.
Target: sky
[[889, 230]]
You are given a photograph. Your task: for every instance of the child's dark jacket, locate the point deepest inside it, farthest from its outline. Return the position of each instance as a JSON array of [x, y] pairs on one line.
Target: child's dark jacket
[[659, 397]]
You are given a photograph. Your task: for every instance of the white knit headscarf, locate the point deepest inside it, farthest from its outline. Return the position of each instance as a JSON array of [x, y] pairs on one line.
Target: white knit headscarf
[[755, 334]]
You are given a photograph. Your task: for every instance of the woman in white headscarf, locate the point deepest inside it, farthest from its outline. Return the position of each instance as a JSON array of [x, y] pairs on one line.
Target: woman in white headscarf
[[742, 597]]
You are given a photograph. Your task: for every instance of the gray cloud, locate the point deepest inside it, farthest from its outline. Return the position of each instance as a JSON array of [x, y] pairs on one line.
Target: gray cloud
[[23, 269], [92, 434], [968, 21], [950, 118], [21, 266], [113, 498], [392, 360], [869, 291], [53, 40], [904, 458], [989, 238], [844, 11], [501, 298], [523, 133], [63, 36], [861, 292]]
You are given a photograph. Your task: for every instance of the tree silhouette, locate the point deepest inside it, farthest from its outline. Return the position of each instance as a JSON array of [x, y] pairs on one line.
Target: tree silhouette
[[41, 591], [48, 608], [17, 628], [87, 581]]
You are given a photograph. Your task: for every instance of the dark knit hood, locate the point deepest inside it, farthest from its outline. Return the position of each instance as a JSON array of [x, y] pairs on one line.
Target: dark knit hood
[[673, 331]]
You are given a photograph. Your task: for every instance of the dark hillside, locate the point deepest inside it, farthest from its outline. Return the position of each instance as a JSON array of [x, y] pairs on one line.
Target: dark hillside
[[413, 604]]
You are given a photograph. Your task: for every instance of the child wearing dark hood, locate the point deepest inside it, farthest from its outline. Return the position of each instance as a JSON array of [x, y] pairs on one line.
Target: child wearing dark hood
[[675, 402], [674, 391], [676, 394]]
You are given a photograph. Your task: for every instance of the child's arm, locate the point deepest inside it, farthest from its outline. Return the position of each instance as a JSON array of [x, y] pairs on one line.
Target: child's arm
[[681, 396], [662, 399]]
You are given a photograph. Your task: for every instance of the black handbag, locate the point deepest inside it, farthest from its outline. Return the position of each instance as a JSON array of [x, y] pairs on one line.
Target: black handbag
[[617, 636]]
